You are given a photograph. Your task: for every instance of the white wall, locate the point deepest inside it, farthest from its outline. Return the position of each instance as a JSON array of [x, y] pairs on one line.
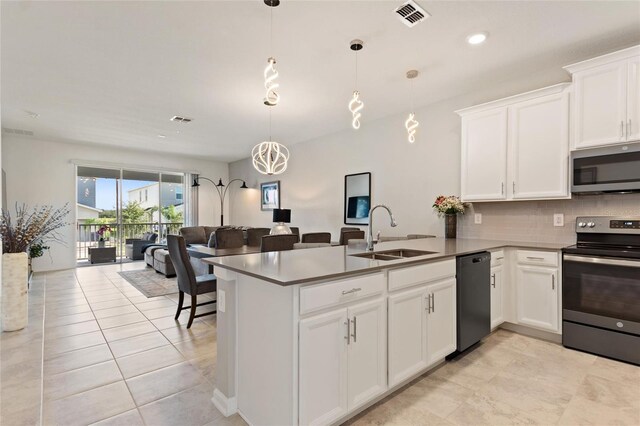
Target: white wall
[[40, 172], [406, 177]]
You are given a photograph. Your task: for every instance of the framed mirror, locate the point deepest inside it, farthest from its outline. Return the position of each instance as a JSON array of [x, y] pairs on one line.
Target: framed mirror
[[357, 198]]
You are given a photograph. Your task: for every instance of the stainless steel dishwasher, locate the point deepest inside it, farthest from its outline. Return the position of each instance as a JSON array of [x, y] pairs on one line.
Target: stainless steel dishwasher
[[473, 293]]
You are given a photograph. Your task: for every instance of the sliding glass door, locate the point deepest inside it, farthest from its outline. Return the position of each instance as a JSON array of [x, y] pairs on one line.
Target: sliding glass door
[[116, 206]]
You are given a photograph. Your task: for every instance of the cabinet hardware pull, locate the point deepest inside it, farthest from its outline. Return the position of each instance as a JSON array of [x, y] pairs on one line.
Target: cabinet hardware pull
[[553, 282], [353, 290], [493, 277], [514, 186], [535, 258], [428, 299], [629, 129], [348, 336], [502, 188], [621, 129], [500, 258], [433, 302], [355, 329]]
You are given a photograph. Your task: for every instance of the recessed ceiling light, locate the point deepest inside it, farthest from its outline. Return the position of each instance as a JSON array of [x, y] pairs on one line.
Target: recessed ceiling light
[[32, 114], [161, 136], [478, 38]]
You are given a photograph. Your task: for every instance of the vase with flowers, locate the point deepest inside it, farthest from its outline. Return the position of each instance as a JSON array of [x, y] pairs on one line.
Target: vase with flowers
[[103, 232], [449, 207], [24, 236]]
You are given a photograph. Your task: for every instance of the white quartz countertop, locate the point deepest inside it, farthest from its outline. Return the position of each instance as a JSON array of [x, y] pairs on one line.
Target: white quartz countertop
[[328, 263]]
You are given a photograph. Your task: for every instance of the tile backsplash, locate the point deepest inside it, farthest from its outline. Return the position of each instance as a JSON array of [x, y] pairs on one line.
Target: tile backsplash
[[533, 220]]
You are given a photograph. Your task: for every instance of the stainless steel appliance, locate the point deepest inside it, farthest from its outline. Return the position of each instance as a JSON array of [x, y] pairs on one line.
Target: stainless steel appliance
[[601, 288], [473, 292], [610, 169]]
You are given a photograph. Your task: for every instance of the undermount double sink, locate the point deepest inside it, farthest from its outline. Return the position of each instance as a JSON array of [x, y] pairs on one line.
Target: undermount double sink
[[395, 254]]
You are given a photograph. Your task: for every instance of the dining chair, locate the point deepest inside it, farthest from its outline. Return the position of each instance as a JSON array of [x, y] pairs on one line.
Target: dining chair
[[229, 238], [346, 229], [254, 236], [316, 237], [351, 235], [295, 231], [278, 242], [188, 282]]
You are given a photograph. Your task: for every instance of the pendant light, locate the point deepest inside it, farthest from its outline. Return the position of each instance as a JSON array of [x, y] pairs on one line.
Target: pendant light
[[272, 97], [411, 124], [356, 104], [270, 157]]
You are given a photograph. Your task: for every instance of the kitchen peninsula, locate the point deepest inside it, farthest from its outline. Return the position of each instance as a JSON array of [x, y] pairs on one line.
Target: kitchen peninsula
[[316, 336]]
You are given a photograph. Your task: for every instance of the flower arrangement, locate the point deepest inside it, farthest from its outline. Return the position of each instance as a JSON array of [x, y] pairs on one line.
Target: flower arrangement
[[104, 229], [32, 228], [449, 205]]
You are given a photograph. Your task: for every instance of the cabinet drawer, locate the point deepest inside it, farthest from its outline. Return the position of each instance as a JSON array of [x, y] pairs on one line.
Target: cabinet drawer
[[326, 295], [529, 257], [412, 275], [497, 258]]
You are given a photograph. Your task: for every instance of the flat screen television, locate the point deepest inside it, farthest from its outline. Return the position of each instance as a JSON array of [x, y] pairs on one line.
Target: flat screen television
[[358, 207]]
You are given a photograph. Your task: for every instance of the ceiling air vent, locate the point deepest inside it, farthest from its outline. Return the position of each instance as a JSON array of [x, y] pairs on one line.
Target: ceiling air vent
[[17, 131], [411, 14], [179, 119]]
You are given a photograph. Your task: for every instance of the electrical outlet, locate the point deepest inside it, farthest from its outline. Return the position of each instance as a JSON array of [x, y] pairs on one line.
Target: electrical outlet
[[558, 219], [477, 218], [220, 301]]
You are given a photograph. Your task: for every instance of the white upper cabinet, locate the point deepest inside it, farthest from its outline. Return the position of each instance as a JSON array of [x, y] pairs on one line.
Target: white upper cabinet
[[633, 99], [484, 155], [539, 147], [605, 105], [517, 148]]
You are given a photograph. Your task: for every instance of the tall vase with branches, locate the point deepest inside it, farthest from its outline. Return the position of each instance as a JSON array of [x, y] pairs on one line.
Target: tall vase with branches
[[27, 233]]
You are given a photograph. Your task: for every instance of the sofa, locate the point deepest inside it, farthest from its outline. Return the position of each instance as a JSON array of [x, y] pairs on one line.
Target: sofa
[[205, 235], [197, 234], [134, 247]]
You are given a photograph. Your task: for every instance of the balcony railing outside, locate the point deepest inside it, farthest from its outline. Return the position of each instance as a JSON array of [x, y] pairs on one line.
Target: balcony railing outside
[[88, 237]]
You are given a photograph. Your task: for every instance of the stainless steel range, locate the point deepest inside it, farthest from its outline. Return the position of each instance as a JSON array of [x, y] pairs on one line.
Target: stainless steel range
[[601, 288]]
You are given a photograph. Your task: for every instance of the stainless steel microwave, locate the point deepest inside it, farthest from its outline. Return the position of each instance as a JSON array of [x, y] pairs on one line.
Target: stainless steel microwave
[[610, 169]]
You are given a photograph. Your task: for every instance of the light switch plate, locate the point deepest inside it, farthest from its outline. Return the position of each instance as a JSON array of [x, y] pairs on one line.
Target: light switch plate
[[558, 219], [477, 218], [221, 301]]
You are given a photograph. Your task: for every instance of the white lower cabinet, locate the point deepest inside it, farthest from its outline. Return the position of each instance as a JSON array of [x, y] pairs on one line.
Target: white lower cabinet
[[422, 328], [497, 288], [342, 361], [537, 295]]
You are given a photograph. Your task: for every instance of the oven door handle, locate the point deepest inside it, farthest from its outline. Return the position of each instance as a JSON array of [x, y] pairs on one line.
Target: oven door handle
[[602, 261]]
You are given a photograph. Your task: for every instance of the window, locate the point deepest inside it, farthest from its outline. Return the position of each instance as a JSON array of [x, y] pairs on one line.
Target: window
[[179, 193], [146, 195]]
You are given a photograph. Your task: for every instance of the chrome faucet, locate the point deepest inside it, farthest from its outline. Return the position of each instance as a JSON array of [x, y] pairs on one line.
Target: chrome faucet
[[370, 227]]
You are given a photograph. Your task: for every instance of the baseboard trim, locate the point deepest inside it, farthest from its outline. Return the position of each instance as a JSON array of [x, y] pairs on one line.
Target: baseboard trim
[[532, 332], [227, 406]]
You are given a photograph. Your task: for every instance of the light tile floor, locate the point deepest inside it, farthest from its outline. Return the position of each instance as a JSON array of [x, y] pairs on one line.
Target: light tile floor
[[97, 351]]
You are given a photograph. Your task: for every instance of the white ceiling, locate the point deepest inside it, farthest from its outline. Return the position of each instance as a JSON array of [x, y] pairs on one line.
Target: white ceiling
[[115, 72]]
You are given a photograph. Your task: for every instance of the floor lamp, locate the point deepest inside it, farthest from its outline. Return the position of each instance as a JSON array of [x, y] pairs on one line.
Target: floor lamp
[[222, 191]]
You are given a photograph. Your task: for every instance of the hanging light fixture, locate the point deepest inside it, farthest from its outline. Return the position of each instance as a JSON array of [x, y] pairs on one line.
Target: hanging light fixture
[[270, 74], [272, 97], [356, 104], [411, 124], [270, 157]]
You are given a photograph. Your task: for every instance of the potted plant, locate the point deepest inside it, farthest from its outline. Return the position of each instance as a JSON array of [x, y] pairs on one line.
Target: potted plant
[[449, 207], [28, 232], [103, 232]]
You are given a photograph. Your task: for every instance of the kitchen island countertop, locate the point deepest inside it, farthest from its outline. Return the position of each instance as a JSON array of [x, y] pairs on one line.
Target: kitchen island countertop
[[328, 263]]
